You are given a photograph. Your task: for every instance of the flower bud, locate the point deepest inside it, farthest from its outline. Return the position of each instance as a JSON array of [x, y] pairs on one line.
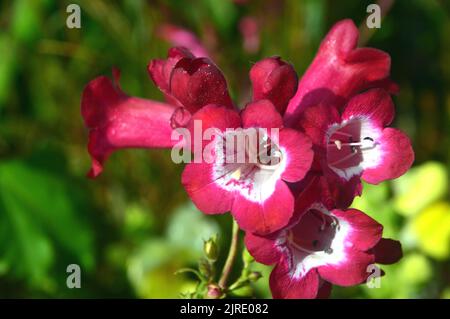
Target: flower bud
[[214, 292], [211, 249]]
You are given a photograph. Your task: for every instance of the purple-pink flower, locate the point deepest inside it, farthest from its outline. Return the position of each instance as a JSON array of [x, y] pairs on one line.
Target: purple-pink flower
[[320, 247], [305, 146]]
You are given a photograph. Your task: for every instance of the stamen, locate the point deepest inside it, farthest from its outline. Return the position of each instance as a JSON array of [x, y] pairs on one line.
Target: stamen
[[368, 142], [339, 144]]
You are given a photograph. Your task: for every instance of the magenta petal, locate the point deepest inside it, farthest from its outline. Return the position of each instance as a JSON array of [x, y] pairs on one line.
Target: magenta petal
[[266, 216], [211, 117], [263, 249], [262, 114], [341, 191], [375, 104], [198, 82], [364, 231], [203, 191], [284, 285], [324, 290], [119, 121], [339, 71], [161, 70], [349, 272], [299, 155], [315, 121], [387, 251], [275, 80], [397, 157], [214, 116]]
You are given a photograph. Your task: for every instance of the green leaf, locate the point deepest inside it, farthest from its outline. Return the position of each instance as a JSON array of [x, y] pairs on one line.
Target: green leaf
[[375, 203], [432, 230], [405, 279], [38, 219], [26, 20], [152, 267], [223, 13], [420, 187], [8, 64]]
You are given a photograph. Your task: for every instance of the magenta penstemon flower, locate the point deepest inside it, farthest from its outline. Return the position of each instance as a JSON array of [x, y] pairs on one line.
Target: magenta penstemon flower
[[287, 166], [321, 246], [254, 188], [355, 143]]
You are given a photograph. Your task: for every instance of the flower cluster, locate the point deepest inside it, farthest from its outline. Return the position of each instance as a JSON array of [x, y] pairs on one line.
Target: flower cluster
[[332, 133]]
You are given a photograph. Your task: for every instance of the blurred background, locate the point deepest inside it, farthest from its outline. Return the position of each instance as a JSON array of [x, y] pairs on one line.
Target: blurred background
[[133, 227]]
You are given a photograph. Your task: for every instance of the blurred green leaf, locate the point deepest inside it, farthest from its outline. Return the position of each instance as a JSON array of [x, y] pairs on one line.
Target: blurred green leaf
[[418, 188], [446, 294], [7, 66], [432, 229], [26, 20], [189, 227], [403, 280], [223, 13], [38, 216], [152, 267], [375, 203]]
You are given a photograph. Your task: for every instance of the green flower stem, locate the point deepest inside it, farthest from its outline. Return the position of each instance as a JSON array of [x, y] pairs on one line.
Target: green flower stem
[[231, 256]]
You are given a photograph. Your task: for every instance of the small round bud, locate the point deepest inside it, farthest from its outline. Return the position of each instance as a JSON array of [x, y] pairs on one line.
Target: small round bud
[[211, 249], [214, 292]]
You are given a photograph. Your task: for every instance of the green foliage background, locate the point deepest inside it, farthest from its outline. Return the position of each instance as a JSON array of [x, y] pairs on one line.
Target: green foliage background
[[133, 227]]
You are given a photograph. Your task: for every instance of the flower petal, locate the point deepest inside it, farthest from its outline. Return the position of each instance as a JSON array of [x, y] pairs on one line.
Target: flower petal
[[364, 232], [374, 104], [338, 71], [315, 121], [324, 290], [214, 116], [263, 249], [275, 80], [197, 178], [350, 271], [396, 154], [262, 114], [196, 82], [161, 70], [266, 216], [284, 285], [387, 251], [209, 118], [298, 154], [342, 192], [116, 120]]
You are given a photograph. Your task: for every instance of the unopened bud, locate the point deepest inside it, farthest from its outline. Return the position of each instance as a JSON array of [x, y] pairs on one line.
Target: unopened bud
[[214, 292], [211, 249]]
